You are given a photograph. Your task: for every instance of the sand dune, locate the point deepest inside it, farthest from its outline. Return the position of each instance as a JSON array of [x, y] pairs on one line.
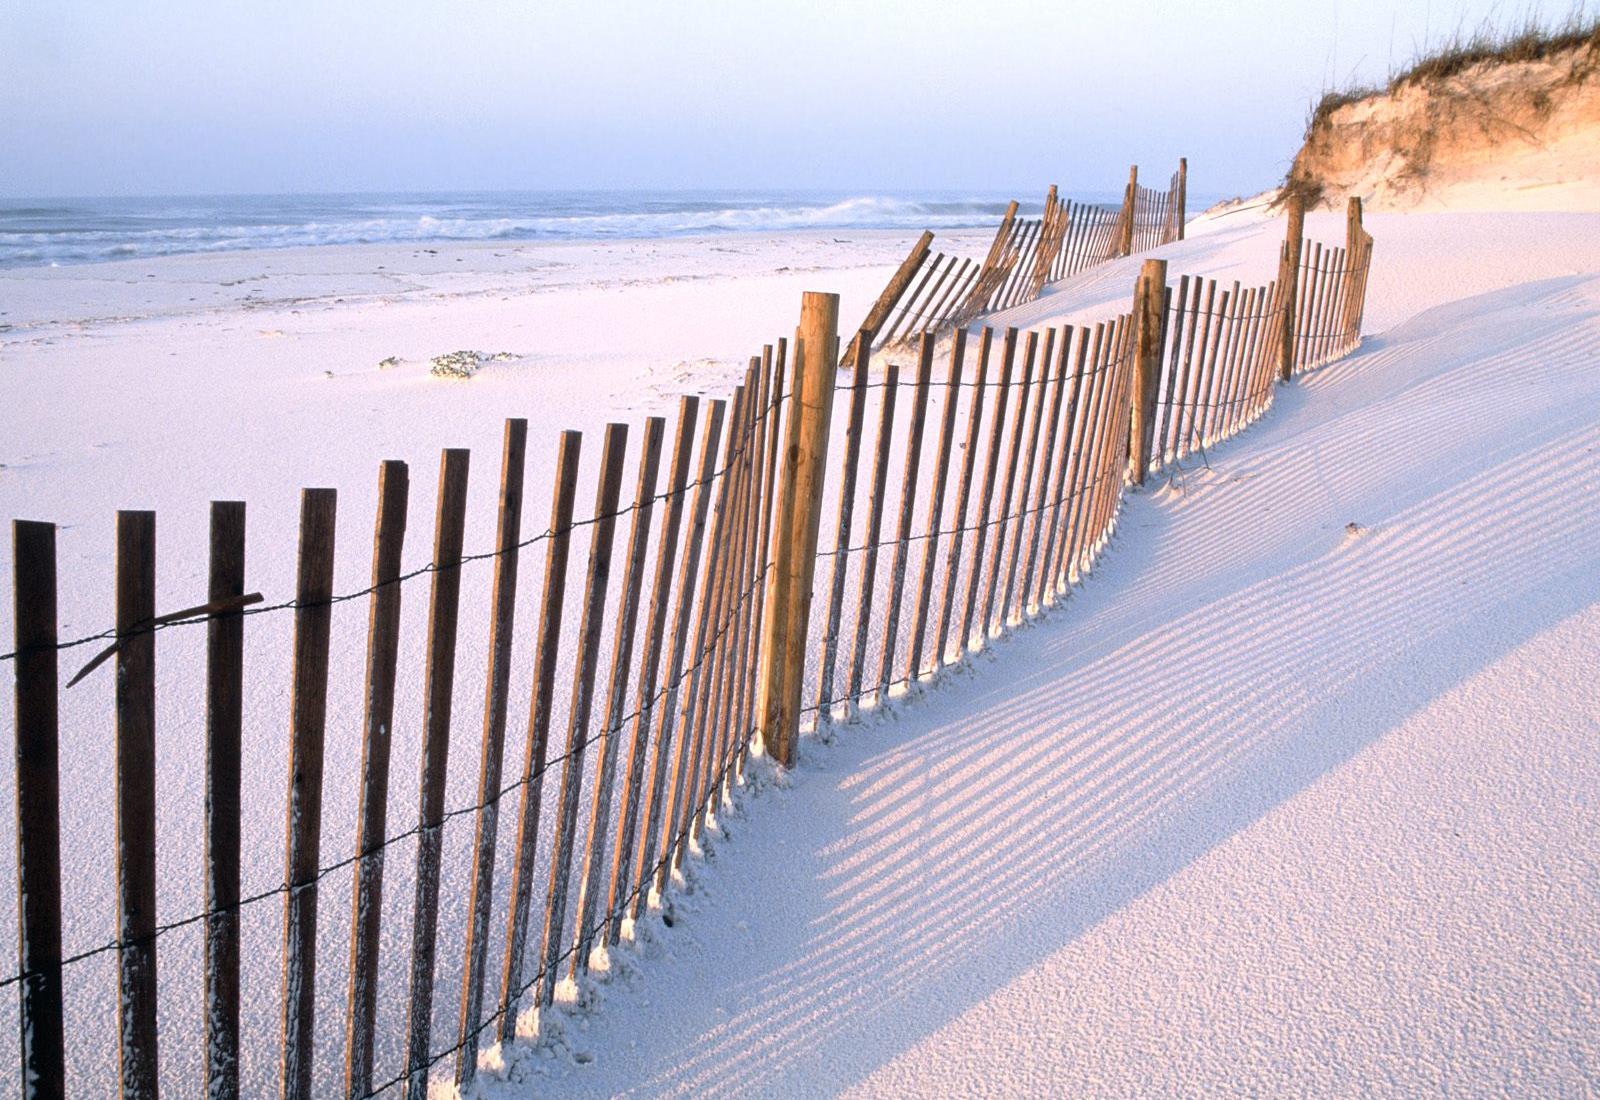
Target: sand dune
[[1292, 797], [1499, 135]]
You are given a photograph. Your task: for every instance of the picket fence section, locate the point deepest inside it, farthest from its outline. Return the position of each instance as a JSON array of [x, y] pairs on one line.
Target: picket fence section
[[1051, 426], [657, 722], [932, 292], [988, 538], [743, 578]]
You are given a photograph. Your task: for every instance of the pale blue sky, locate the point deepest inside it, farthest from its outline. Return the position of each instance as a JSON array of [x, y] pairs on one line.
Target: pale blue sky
[[101, 98]]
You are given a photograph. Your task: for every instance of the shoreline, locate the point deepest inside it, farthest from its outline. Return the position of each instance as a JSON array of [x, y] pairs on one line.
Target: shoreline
[[345, 273]]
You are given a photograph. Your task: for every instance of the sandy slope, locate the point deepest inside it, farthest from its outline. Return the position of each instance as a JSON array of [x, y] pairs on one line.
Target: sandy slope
[[1295, 797]]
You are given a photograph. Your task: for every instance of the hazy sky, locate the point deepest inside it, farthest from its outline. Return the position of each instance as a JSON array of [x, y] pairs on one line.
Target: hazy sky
[[201, 96]]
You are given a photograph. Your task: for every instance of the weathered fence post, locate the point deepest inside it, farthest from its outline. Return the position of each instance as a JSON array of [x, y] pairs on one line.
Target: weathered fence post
[[1008, 356], [1129, 204], [547, 645], [438, 689], [313, 618], [591, 626], [1148, 295], [800, 503], [969, 460], [136, 802], [930, 556], [1001, 235], [660, 810], [879, 313], [1353, 248], [617, 691], [841, 548], [1288, 280], [1002, 521], [872, 540], [908, 500], [33, 559], [635, 789], [486, 826], [1183, 193], [224, 725], [383, 647], [1352, 225], [990, 272]]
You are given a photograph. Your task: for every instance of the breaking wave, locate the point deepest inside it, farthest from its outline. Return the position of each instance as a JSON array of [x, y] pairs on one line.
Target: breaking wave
[[91, 230]]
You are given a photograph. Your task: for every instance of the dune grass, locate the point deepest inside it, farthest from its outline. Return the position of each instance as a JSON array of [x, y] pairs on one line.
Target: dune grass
[[1532, 40]]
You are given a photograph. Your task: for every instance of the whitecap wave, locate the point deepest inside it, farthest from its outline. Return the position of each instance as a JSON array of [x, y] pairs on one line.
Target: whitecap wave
[[86, 231]]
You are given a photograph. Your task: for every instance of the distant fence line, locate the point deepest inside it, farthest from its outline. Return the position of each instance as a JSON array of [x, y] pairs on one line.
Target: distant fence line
[[707, 631], [1069, 417], [1223, 348], [935, 292]]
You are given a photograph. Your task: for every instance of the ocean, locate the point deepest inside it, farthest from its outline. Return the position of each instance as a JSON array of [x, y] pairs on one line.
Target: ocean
[[52, 232]]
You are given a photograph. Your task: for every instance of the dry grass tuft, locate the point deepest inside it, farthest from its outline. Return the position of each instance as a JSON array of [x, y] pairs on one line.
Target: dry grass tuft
[[1531, 42]]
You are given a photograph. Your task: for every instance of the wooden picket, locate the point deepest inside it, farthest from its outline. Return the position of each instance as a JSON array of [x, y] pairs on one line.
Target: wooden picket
[[937, 293]]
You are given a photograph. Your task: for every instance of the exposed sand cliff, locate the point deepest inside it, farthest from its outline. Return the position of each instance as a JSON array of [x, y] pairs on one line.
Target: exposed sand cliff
[[1509, 132]]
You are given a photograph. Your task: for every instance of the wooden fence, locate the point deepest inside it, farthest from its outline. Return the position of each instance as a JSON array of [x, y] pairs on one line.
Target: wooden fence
[[752, 578], [1053, 424], [658, 719], [935, 292]]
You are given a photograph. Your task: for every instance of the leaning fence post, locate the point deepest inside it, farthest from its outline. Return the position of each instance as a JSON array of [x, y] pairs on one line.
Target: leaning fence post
[[136, 801], [1129, 202], [33, 559], [800, 502], [1148, 295], [1183, 192], [1288, 283], [879, 313]]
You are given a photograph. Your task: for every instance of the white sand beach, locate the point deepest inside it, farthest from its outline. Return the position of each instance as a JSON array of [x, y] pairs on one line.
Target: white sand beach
[[168, 382], [1164, 666], [165, 383]]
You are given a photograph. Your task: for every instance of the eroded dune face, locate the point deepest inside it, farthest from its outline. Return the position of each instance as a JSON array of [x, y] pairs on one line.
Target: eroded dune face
[[1499, 135]]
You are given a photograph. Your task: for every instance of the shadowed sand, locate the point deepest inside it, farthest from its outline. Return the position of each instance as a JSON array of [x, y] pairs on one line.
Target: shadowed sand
[[1295, 796]]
